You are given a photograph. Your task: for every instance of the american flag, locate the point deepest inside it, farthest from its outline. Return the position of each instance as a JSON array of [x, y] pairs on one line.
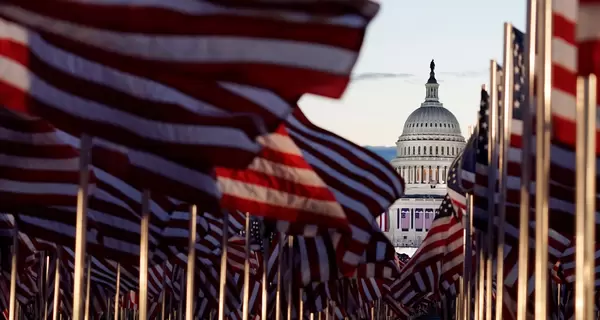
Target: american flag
[[455, 190], [424, 269], [474, 165], [557, 242], [384, 221]]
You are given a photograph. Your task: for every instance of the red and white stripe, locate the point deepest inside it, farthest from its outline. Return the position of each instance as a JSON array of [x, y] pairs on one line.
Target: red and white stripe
[[363, 183], [384, 221], [289, 51], [280, 184], [81, 95]]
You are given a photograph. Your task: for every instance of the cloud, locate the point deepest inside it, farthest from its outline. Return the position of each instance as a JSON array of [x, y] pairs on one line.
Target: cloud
[[464, 74], [380, 75]]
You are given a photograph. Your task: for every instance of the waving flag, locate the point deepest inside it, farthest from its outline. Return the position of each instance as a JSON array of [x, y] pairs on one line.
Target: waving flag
[[384, 221]]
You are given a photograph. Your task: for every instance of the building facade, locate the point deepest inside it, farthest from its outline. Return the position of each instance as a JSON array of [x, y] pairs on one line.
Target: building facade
[[430, 140]]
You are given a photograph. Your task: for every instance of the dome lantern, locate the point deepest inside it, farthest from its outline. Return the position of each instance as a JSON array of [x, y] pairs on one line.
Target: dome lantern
[[431, 87]]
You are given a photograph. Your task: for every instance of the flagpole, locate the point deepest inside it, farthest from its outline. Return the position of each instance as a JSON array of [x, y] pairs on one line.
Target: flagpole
[[525, 190], [56, 285], [223, 273], [507, 105], [481, 278], [245, 306], [265, 270], [492, 172], [88, 283], [290, 268], [12, 304], [585, 222], [467, 260], [81, 227], [117, 293], [144, 230], [191, 264], [543, 126]]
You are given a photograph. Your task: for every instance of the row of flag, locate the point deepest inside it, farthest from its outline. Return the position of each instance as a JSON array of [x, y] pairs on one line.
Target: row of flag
[[154, 163], [523, 192]]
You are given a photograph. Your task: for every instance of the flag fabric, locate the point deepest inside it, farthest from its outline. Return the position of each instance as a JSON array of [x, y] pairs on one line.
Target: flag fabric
[[280, 184], [588, 44], [305, 50], [43, 79], [421, 273], [455, 188], [384, 221]]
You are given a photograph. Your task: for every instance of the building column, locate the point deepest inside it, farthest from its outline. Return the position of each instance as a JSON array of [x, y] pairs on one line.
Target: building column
[[446, 174]]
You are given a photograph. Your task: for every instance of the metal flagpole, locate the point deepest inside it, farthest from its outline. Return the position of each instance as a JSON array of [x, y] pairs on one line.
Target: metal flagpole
[[56, 285], [191, 264], [475, 287], [46, 275], [467, 260], [81, 227], [41, 284], [12, 305], [117, 289], [290, 269], [525, 191], [585, 191], [279, 277], [458, 310], [301, 304], [144, 230], [543, 126], [481, 278], [492, 172], [87, 288], [590, 232], [245, 306], [507, 105], [223, 278], [265, 270], [179, 312], [163, 307]]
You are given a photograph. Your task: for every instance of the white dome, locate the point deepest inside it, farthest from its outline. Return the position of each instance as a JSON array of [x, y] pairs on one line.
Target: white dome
[[430, 141], [431, 120]]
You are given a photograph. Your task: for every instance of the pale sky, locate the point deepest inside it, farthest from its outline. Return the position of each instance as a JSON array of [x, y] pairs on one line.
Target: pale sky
[[461, 35]]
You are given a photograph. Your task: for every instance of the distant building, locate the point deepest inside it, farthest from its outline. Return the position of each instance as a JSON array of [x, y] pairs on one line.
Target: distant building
[[430, 140]]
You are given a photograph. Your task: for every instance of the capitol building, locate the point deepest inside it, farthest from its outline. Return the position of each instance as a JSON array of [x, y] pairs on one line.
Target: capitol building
[[430, 141]]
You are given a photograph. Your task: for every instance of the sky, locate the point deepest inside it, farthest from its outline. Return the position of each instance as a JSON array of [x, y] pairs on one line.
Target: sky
[[461, 35]]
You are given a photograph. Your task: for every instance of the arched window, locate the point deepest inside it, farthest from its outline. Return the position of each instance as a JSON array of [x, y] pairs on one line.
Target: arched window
[[419, 150], [413, 150], [436, 150], [430, 150], [448, 150]]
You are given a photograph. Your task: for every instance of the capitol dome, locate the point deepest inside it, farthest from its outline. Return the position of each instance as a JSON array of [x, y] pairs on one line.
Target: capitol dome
[[430, 140], [431, 120]]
